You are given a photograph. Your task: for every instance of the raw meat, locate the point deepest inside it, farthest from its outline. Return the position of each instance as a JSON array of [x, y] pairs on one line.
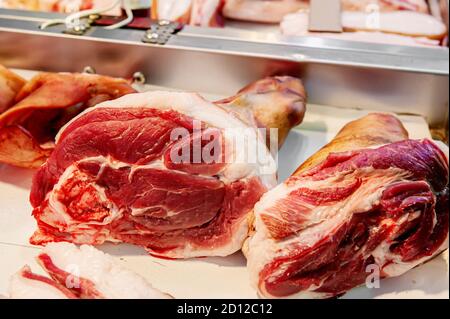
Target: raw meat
[[115, 174], [273, 11], [83, 272], [399, 27], [385, 5], [10, 85], [399, 22], [27, 285], [207, 13], [172, 10], [204, 13], [370, 200], [66, 6], [43, 106], [255, 104], [266, 11]]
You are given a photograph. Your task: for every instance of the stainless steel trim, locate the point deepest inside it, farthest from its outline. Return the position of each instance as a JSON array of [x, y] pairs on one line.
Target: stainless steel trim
[[337, 73], [23, 14], [294, 49]]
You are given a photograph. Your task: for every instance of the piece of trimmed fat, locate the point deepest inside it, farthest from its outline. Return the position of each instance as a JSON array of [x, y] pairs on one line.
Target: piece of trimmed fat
[[110, 279]]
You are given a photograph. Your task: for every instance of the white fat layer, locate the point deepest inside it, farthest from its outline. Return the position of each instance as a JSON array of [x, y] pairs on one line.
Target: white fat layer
[[444, 148], [242, 141], [240, 233], [189, 104], [25, 288], [400, 22], [398, 267], [400, 27], [242, 171], [262, 248], [111, 280]]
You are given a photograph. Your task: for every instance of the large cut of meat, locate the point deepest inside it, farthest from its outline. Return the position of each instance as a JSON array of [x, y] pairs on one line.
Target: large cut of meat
[[45, 104], [396, 27], [79, 273], [164, 170], [371, 200], [273, 11], [377, 21], [10, 85], [385, 5]]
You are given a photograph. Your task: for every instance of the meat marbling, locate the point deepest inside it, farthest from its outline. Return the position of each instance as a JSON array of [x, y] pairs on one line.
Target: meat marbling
[[112, 175], [370, 198]]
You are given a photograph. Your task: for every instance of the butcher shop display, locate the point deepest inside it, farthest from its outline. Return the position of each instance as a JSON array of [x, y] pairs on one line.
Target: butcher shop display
[[113, 175], [397, 22], [184, 150], [370, 198], [79, 273], [42, 106]]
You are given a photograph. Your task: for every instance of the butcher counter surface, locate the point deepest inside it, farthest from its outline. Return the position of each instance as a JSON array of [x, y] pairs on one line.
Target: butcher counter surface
[[214, 277]]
